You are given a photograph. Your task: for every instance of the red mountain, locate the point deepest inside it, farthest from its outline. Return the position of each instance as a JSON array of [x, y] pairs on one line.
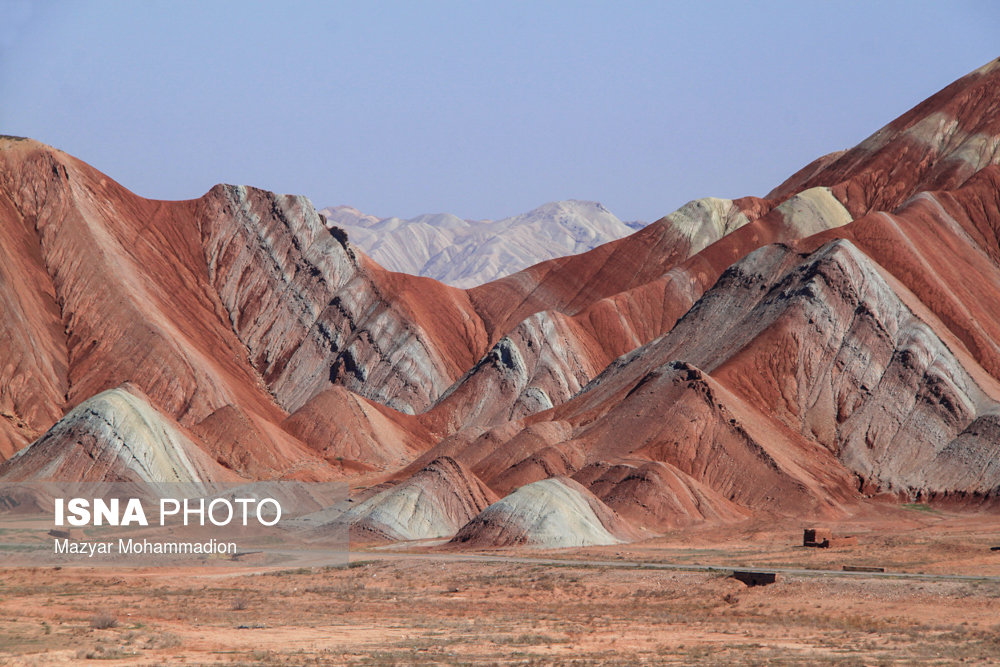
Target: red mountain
[[793, 354]]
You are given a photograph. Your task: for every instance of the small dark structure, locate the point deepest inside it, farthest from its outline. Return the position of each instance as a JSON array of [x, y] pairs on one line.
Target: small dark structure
[[823, 538], [755, 578], [863, 568], [70, 534], [816, 537]]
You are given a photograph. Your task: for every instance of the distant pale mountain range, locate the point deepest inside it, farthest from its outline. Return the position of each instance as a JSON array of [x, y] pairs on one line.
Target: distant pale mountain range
[[466, 253]]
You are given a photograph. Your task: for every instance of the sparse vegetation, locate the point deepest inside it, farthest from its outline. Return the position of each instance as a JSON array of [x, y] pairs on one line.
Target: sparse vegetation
[[921, 507], [338, 233], [418, 612], [103, 621]]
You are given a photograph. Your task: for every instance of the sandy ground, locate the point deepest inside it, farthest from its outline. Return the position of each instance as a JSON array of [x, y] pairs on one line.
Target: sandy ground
[[387, 609]]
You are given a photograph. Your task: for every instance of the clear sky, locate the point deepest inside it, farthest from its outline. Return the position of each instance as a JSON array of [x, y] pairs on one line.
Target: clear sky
[[483, 109]]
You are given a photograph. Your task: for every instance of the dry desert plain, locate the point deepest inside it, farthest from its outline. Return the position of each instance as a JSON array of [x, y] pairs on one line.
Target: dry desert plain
[[938, 603]]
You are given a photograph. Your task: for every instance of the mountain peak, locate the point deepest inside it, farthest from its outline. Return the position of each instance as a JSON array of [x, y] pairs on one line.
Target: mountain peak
[[466, 253]]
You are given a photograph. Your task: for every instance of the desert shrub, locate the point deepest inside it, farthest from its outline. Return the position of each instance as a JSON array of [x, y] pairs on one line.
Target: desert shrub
[[103, 621]]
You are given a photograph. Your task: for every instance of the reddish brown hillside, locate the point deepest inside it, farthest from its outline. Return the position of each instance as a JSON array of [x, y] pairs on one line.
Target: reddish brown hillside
[[787, 355], [239, 300], [937, 145]]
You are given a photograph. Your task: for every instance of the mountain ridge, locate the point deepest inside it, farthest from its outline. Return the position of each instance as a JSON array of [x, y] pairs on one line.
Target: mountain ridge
[[794, 355], [465, 253]]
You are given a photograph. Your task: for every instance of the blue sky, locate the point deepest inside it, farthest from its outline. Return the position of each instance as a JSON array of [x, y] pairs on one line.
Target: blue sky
[[483, 109]]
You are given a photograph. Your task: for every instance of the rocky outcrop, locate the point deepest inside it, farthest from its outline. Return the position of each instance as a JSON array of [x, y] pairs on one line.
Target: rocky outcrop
[[240, 299], [34, 373], [312, 311], [544, 361], [804, 377], [828, 348]]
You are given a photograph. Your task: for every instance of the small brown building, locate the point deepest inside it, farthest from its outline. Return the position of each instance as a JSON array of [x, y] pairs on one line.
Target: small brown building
[[817, 537], [824, 539]]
